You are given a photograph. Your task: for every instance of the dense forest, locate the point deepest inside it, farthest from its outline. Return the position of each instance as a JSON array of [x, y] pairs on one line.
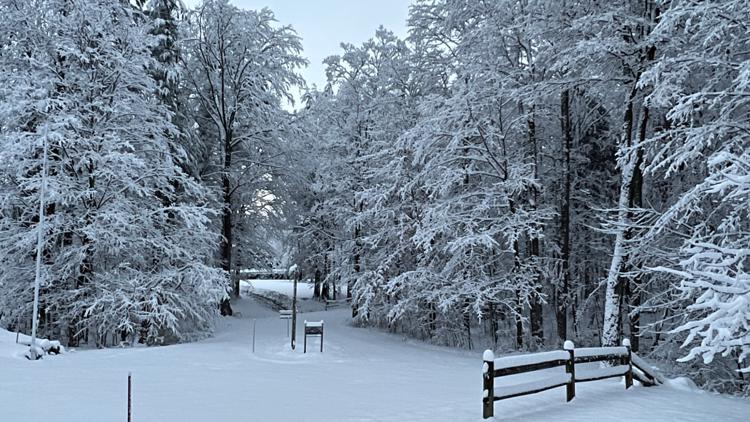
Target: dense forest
[[512, 174]]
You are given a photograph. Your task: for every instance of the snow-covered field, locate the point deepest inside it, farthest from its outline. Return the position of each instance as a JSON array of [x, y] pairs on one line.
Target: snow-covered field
[[285, 287], [363, 375]]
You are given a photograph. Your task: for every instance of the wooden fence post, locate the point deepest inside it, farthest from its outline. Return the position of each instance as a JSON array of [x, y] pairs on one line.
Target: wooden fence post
[[570, 368], [488, 384], [629, 362]]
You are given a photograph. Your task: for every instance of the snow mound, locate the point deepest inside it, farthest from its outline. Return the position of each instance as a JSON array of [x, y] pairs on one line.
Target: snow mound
[[682, 384], [18, 346]]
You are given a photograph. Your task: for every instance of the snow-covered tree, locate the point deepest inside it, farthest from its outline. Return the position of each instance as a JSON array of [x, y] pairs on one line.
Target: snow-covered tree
[[704, 82], [73, 76], [240, 67]]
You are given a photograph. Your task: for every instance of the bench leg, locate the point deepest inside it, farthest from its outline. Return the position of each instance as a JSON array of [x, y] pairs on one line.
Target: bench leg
[[321, 342], [305, 344]]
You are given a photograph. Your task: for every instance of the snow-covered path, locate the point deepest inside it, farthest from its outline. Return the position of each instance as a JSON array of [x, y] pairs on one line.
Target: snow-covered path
[[363, 375]]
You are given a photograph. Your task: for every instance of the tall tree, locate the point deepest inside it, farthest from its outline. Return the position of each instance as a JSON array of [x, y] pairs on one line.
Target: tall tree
[[704, 82], [240, 67], [73, 77]]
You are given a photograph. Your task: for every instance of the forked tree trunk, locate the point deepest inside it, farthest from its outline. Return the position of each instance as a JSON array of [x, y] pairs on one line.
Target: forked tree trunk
[[630, 192]]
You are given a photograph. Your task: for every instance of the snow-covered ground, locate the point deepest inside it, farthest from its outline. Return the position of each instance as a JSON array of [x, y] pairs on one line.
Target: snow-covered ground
[[363, 375]]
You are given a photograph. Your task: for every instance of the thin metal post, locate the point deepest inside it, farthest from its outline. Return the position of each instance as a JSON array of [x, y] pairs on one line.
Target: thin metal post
[[254, 320], [294, 310], [130, 396], [39, 246]]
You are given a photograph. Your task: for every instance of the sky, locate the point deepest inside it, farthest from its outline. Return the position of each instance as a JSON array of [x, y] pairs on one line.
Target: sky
[[325, 24]]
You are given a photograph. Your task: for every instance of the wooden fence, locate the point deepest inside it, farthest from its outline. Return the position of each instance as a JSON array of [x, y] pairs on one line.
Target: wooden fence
[[271, 274], [619, 359], [330, 303]]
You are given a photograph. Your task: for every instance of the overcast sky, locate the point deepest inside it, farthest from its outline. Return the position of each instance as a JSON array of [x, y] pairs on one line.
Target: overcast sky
[[324, 24]]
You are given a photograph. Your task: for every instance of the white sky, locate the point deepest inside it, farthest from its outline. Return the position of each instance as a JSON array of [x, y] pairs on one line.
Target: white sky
[[324, 24]]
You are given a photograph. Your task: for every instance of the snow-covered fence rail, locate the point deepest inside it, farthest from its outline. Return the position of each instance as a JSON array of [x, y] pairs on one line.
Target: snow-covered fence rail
[[645, 373], [270, 274], [619, 359], [330, 303]]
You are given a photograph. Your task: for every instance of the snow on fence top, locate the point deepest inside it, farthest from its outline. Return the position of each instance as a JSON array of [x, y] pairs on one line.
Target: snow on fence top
[[519, 360], [599, 351], [268, 271], [651, 376], [591, 374]]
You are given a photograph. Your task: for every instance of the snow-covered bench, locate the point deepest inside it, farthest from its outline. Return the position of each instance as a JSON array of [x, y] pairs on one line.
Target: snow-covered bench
[[43, 347], [49, 347]]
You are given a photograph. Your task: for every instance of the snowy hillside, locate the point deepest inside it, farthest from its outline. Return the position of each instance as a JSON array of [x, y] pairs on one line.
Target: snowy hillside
[[362, 375]]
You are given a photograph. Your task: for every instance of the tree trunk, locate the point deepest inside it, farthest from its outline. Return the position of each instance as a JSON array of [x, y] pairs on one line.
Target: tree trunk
[[519, 321], [357, 262], [226, 225], [467, 324], [630, 191], [633, 287], [536, 309], [316, 281], [431, 319], [519, 301], [492, 316], [611, 323], [562, 291]]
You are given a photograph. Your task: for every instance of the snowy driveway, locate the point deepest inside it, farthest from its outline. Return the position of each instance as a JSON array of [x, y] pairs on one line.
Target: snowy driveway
[[363, 375]]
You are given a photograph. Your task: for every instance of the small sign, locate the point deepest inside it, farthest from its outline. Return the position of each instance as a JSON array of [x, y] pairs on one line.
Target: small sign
[[314, 328]]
